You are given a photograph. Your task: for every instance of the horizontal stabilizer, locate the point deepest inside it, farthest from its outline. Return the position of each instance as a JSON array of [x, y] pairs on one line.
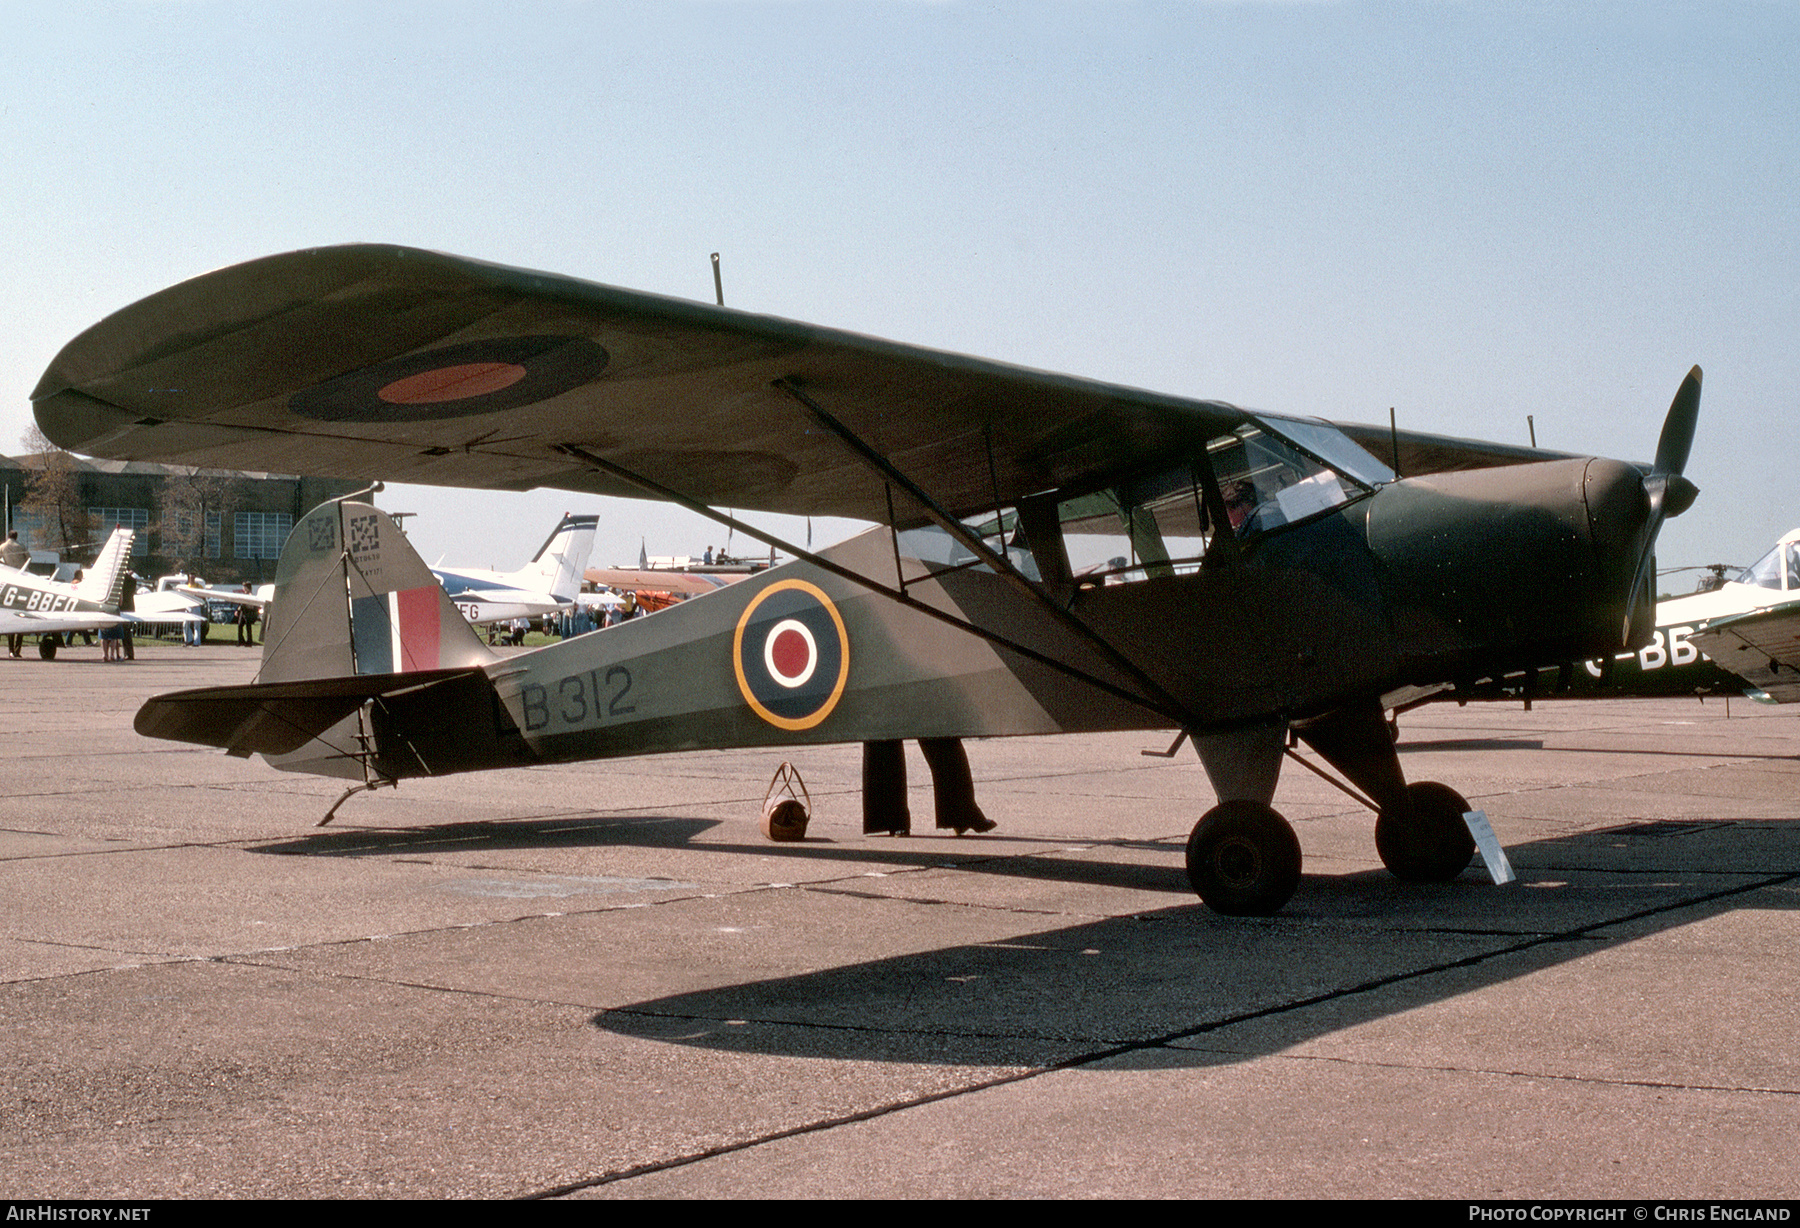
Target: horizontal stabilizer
[[274, 718]]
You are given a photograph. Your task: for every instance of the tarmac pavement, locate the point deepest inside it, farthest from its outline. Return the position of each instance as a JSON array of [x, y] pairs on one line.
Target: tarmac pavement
[[600, 981]]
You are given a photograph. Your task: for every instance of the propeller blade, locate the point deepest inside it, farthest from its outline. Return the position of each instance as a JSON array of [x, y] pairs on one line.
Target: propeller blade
[[1668, 493], [1678, 428]]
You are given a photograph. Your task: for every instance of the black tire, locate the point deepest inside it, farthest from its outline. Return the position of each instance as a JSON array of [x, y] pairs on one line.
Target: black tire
[[1429, 843], [47, 646], [1243, 859]]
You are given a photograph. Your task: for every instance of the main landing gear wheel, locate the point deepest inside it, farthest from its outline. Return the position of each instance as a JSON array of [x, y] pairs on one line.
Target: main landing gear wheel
[[1429, 843], [47, 646], [1243, 859]]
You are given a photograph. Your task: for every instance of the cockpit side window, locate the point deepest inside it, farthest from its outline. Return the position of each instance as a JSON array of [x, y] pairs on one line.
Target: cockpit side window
[[1778, 569], [1190, 515], [1144, 529], [1249, 482], [1267, 482], [942, 552]]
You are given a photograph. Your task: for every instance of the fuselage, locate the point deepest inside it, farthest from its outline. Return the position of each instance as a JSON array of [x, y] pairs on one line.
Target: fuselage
[[486, 597], [1425, 580], [22, 593]]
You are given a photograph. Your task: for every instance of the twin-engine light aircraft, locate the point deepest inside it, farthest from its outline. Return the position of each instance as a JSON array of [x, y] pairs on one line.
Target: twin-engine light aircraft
[[1264, 574], [34, 605], [550, 582]]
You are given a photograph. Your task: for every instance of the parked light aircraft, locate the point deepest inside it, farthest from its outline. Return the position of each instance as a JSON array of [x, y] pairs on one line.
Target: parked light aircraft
[[1751, 625], [175, 600], [35, 605], [1278, 576], [1741, 638], [550, 582]]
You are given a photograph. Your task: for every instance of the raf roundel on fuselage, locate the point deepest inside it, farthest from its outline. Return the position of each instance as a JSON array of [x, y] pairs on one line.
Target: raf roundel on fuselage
[[791, 655]]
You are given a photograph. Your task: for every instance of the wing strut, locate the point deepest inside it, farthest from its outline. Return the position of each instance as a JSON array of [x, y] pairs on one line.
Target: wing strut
[[973, 542], [1158, 701]]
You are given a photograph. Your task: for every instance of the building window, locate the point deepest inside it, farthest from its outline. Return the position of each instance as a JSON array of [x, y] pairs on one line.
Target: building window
[[106, 519], [259, 535], [183, 522], [33, 531]]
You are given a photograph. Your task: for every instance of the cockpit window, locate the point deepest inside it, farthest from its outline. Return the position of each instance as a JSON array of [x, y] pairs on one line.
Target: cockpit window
[[1161, 524], [1268, 482], [942, 552], [1333, 447], [1778, 569], [1260, 478]]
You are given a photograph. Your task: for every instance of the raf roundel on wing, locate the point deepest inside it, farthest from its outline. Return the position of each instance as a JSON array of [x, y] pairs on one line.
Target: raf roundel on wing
[[456, 381], [791, 655]]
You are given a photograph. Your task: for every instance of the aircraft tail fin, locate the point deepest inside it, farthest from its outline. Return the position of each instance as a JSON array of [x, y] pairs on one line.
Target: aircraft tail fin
[[104, 582], [353, 597], [558, 565]]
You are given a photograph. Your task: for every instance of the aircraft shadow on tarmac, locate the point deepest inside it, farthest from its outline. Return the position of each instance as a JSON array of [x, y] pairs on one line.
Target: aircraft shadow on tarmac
[[1182, 985], [582, 831], [1016, 858], [1580, 748]]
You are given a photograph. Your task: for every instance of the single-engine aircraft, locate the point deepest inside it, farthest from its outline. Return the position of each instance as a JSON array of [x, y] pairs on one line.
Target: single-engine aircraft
[[1275, 575], [174, 600], [550, 582], [35, 605], [1751, 625], [1741, 637]]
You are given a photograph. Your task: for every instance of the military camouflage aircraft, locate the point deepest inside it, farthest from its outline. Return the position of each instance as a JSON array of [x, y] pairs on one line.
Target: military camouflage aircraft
[[1264, 573]]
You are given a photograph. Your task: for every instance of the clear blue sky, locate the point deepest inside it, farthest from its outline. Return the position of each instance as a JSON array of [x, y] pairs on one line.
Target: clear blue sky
[[1469, 212]]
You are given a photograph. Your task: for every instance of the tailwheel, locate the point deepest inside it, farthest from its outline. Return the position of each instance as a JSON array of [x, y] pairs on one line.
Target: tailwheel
[[1243, 859], [1429, 842]]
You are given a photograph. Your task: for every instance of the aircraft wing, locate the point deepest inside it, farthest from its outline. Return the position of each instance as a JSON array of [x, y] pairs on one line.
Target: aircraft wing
[[13, 622], [168, 606], [1420, 453], [373, 361], [1761, 647], [231, 595]]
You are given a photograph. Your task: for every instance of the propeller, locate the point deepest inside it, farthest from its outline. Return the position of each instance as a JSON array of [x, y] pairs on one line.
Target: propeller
[[1668, 492]]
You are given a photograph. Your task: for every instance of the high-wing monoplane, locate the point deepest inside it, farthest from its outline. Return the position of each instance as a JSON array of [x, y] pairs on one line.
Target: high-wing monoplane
[[35, 605], [183, 599], [1263, 574], [1739, 637], [548, 583]]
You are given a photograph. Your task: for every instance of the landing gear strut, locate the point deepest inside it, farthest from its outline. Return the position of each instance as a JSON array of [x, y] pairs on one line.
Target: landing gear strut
[[1243, 859]]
